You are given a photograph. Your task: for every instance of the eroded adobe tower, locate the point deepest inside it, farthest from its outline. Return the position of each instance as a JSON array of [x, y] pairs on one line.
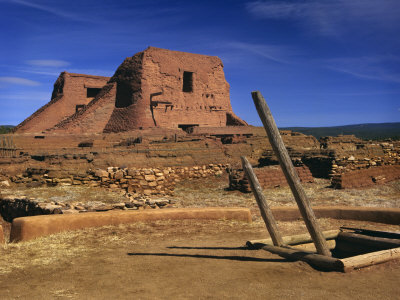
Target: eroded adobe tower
[[72, 92], [155, 88]]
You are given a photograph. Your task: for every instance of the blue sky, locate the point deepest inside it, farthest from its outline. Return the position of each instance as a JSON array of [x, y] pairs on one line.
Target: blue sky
[[317, 63]]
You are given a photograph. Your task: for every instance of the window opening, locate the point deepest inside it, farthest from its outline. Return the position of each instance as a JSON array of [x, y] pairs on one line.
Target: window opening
[[92, 92], [187, 82]]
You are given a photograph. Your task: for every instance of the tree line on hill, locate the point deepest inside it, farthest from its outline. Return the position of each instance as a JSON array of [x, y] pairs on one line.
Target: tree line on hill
[[6, 128], [368, 131]]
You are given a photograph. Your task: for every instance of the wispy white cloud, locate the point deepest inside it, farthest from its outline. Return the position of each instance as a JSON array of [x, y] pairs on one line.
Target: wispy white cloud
[[275, 53], [384, 68], [48, 63], [39, 72], [4, 81], [48, 67], [51, 10], [331, 17], [106, 12], [26, 96]]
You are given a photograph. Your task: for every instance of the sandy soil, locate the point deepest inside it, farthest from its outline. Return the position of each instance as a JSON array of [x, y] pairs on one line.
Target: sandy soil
[[180, 260]]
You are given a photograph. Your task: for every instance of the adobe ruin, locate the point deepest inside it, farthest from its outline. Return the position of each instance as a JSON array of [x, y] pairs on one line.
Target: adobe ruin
[[71, 93], [155, 88]]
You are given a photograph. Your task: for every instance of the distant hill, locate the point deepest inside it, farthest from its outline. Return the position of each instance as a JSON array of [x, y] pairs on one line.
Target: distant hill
[[6, 128], [368, 131]]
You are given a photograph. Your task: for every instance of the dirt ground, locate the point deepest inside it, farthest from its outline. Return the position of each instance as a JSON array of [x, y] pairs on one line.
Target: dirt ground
[[180, 260], [191, 259]]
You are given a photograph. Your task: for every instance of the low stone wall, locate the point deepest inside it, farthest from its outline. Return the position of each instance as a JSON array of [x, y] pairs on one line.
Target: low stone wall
[[12, 207], [154, 181], [135, 181], [366, 177], [268, 177], [368, 156], [15, 207]]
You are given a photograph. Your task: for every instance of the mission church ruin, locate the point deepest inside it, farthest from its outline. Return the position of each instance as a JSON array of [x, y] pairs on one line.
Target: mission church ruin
[[154, 88]]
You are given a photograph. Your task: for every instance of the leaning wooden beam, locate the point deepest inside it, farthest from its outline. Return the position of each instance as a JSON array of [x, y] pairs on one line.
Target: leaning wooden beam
[[315, 260], [290, 173], [293, 239], [266, 213], [369, 259]]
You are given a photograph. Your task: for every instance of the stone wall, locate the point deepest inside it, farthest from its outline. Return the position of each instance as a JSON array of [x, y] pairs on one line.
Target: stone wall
[[268, 177], [142, 188], [382, 154], [366, 177], [12, 207], [135, 181]]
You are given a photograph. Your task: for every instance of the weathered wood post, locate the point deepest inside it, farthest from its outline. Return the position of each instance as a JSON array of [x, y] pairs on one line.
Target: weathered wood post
[[290, 173], [266, 212]]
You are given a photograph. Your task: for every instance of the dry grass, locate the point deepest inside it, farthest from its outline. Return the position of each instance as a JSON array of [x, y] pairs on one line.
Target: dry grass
[[211, 192], [68, 194]]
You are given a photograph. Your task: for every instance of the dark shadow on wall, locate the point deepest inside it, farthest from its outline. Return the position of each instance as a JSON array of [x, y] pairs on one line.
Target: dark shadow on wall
[[124, 95]]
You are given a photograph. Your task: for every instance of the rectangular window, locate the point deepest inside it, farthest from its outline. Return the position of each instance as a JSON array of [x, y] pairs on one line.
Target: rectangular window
[[187, 82], [92, 92]]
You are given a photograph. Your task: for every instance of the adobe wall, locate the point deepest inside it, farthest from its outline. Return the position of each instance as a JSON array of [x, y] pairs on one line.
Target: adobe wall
[[94, 117], [69, 91], [151, 93], [163, 75], [268, 177], [154, 88], [130, 111], [366, 177]]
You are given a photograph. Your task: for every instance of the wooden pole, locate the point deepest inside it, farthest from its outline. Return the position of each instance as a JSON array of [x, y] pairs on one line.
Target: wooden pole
[[369, 259], [290, 173], [316, 260], [293, 239], [266, 213]]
